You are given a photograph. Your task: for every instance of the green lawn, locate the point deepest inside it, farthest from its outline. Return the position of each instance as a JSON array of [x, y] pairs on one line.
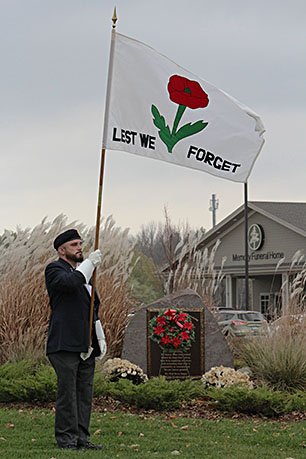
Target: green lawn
[[29, 434]]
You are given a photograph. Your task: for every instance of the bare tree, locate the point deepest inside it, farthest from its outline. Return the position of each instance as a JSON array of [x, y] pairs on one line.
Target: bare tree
[[159, 240]]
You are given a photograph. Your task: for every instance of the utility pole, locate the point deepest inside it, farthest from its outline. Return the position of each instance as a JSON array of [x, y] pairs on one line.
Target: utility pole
[[214, 204]]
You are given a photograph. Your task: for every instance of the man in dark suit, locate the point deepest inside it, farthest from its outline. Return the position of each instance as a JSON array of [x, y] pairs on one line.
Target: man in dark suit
[[68, 349]]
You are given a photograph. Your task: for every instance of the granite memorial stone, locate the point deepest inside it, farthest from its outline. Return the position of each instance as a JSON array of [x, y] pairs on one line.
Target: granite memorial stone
[[208, 350]]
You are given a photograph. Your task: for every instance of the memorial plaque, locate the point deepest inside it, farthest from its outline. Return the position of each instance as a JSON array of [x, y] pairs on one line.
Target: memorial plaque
[[177, 364]]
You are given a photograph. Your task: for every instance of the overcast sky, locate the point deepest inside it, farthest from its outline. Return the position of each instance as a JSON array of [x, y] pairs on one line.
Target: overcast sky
[[54, 61]]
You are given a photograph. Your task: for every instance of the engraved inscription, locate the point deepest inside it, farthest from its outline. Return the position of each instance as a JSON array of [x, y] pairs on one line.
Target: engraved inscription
[[175, 365]]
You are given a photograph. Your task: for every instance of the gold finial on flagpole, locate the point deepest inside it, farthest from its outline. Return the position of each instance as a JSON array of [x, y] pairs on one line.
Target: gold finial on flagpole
[[114, 19]]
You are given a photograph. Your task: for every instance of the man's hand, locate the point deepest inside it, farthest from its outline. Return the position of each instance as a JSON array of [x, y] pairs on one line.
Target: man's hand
[[96, 258], [87, 266]]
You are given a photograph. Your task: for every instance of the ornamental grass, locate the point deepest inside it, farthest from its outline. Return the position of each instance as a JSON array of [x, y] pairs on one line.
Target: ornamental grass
[[195, 269], [279, 360], [279, 357], [24, 303]]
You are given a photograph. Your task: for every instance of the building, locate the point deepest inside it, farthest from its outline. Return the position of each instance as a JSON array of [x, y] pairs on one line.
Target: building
[[276, 232]]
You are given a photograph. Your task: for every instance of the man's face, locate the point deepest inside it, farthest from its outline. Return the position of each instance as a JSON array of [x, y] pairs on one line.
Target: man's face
[[72, 251]]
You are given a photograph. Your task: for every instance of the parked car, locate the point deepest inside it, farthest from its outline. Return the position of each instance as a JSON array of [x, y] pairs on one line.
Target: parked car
[[221, 308], [236, 322]]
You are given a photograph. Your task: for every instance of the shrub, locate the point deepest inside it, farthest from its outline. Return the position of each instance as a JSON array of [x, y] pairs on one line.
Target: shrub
[[262, 401], [123, 389], [158, 393], [297, 402], [225, 377], [27, 381], [30, 381]]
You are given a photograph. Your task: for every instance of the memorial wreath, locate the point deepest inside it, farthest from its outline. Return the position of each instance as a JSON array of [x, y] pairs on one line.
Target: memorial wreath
[[173, 330]]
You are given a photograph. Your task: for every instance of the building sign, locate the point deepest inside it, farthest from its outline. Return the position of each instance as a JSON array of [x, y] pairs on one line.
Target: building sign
[[271, 255], [255, 237]]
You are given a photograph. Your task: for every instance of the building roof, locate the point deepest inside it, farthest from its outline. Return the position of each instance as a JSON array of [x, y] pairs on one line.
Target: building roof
[[293, 213], [289, 214]]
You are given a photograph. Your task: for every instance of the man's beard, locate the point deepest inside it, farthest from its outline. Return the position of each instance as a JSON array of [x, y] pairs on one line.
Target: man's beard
[[77, 258]]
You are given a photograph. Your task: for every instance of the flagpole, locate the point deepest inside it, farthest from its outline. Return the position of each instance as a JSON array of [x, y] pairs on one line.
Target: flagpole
[[99, 204], [246, 250]]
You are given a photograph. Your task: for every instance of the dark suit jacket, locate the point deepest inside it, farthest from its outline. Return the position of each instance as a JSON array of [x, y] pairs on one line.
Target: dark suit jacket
[[70, 308]]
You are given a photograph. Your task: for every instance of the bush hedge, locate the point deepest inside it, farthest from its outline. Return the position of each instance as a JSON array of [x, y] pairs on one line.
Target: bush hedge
[[156, 394], [27, 381], [262, 401], [36, 382]]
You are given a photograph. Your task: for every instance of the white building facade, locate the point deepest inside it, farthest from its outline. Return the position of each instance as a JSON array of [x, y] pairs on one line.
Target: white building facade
[[276, 234]]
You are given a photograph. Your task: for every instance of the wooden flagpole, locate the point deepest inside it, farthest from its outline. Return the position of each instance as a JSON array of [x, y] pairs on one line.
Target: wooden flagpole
[[94, 276], [96, 246]]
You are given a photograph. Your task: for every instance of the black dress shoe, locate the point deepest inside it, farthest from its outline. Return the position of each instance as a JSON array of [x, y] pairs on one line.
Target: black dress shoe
[[88, 445], [68, 447]]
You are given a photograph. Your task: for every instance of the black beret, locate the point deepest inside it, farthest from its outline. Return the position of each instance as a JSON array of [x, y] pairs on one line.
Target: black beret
[[68, 235]]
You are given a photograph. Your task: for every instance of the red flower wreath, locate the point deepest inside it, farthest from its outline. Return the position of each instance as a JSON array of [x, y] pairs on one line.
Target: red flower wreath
[[173, 330]]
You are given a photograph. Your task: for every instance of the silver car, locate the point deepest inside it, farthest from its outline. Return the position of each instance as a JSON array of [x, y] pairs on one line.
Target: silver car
[[236, 322]]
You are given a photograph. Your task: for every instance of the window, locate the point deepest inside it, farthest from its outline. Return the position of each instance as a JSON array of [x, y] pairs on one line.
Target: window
[[254, 316], [226, 316], [265, 303], [270, 304]]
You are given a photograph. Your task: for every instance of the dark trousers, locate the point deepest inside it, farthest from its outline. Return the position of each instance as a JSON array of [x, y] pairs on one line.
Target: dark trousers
[[74, 396]]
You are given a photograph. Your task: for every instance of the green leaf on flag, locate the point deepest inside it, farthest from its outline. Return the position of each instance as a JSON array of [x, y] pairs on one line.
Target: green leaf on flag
[[158, 120], [190, 129], [164, 131]]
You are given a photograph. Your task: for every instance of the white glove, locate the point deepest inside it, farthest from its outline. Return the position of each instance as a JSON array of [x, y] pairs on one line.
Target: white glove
[[101, 339], [87, 266], [96, 258]]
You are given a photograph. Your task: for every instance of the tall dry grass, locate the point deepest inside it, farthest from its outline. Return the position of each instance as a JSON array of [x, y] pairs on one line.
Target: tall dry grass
[[195, 269], [279, 358], [112, 283], [24, 304], [296, 285]]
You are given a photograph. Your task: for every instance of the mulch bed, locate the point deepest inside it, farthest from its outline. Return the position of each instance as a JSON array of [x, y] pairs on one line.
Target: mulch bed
[[198, 409]]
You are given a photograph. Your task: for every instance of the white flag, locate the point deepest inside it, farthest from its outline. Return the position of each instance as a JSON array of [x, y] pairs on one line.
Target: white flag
[[157, 109]]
